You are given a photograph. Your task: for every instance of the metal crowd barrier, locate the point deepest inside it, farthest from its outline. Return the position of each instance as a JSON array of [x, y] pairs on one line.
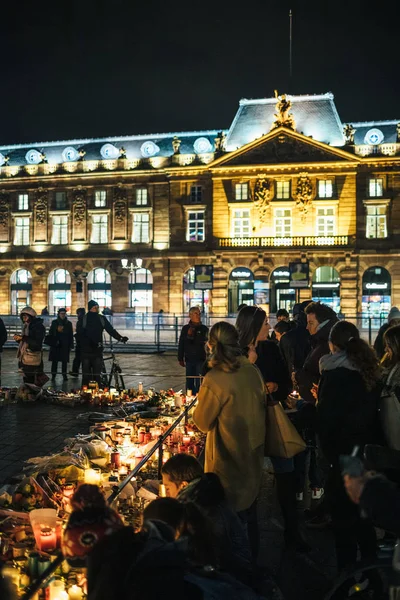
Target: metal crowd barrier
[[44, 578]]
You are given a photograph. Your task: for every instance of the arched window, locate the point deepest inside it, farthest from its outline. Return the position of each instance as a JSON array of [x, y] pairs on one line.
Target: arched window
[[326, 286], [141, 290], [241, 288], [21, 290], [59, 290], [193, 297], [99, 287], [376, 296], [281, 294]]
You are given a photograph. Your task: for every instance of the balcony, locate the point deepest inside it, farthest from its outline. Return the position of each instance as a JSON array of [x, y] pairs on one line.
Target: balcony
[[297, 241]]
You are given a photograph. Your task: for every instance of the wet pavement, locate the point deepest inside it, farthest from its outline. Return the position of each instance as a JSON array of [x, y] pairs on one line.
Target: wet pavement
[[38, 428]]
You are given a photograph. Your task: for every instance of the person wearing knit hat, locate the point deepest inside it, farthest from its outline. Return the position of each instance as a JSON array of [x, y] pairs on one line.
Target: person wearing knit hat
[[90, 332], [30, 347], [393, 319]]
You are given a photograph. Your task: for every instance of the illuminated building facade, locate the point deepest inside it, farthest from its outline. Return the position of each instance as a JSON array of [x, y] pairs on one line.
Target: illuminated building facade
[[287, 182]]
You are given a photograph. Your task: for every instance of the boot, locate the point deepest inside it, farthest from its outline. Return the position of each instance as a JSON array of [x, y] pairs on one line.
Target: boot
[[286, 494]]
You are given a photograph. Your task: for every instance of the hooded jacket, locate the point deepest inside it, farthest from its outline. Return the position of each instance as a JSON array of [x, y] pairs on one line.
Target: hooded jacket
[[37, 330]]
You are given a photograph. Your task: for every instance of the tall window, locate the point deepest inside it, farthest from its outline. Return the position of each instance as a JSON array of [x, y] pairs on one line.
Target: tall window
[[195, 226], [241, 223], [376, 221], [99, 229], [21, 290], [196, 194], [23, 202], [99, 287], [59, 290], [375, 188], [21, 237], [60, 230], [283, 190], [326, 222], [141, 197], [61, 200], [325, 188], [242, 191], [141, 228], [100, 199], [283, 222]]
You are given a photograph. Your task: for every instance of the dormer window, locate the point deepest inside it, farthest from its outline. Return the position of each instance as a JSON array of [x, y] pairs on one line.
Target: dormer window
[[375, 188], [242, 191]]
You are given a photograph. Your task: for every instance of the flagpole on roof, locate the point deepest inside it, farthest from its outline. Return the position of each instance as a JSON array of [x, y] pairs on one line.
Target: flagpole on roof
[[290, 45]]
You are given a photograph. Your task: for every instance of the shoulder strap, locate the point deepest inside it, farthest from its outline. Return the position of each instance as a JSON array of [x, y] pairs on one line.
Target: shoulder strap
[[391, 374]]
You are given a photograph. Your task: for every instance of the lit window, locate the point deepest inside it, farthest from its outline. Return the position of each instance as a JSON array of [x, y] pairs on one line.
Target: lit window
[[61, 200], [99, 229], [195, 226], [141, 196], [141, 228], [241, 223], [376, 221], [196, 194], [23, 202], [283, 190], [21, 237], [283, 222], [325, 188], [376, 188], [241, 191], [326, 222], [100, 199], [60, 230]]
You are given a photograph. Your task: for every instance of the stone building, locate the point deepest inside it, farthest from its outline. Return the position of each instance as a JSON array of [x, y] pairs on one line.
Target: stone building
[[216, 218]]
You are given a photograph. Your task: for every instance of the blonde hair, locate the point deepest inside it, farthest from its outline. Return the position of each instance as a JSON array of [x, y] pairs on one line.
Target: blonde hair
[[225, 350]]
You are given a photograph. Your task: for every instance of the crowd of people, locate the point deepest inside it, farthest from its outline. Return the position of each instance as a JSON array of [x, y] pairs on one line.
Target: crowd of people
[[205, 533]]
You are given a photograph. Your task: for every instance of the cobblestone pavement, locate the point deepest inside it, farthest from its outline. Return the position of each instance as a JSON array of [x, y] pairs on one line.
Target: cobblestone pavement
[[37, 428]]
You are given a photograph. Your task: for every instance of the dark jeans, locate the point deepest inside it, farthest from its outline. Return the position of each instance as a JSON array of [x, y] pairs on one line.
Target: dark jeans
[[249, 519], [54, 367], [91, 368], [77, 360], [193, 372]]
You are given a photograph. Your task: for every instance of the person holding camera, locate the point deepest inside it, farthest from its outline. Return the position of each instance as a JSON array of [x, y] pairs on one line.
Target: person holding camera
[[90, 331]]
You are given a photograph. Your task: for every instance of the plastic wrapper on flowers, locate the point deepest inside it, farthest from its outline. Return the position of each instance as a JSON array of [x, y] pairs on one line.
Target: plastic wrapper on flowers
[[63, 467]]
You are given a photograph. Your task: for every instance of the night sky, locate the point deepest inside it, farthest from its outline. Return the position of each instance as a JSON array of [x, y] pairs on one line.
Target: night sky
[[94, 68]]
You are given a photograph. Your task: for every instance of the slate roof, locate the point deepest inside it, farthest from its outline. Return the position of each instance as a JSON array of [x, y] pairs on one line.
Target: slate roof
[[388, 129], [315, 116], [132, 144]]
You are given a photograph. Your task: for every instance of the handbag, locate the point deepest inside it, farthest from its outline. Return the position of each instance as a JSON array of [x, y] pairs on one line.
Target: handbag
[[31, 358], [389, 413], [281, 437], [41, 379]]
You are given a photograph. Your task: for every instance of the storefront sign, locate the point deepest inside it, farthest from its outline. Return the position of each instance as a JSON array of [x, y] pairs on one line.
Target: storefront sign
[[203, 277], [376, 286], [299, 274], [241, 273]]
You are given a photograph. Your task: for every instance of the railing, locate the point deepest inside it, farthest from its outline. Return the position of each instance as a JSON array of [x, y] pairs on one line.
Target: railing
[[297, 241], [34, 587]]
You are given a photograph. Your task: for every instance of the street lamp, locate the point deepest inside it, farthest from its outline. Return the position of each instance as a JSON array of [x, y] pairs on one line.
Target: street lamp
[[130, 265]]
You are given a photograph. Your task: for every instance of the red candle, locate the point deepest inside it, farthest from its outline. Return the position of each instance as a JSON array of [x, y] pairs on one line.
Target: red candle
[[48, 539]]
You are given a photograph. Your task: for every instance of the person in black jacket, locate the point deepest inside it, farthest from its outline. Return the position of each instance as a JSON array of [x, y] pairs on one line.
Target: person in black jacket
[[296, 344], [90, 330], [347, 416], [63, 342], [3, 339], [78, 333], [393, 319], [191, 349], [30, 345]]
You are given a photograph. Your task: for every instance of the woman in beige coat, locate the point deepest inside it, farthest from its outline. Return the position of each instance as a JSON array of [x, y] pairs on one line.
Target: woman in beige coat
[[231, 410]]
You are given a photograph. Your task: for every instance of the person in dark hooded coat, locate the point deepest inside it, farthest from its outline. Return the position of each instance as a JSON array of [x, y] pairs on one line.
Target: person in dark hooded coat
[[61, 333]]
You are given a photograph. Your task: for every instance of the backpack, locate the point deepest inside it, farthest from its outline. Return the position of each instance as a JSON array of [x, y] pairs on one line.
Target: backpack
[[389, 412]]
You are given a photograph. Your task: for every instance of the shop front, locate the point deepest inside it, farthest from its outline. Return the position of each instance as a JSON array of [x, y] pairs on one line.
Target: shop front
[[192, 296], [240, 289], [281, 294], [376, 296], [326, 287]]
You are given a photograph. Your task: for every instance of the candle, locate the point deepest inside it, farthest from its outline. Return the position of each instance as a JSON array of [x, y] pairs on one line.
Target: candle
[[92, 476], [186, 440], [162, 492], [140, 387], [75, 592], [123, 470], [61, 596], [55, 588], [47, 539]]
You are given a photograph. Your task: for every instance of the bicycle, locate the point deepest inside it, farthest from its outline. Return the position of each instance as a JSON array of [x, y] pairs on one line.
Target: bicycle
[[115, 372]]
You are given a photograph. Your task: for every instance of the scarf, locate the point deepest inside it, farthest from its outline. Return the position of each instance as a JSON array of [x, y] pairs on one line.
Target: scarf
[[23, 345], [336, 360], [192, 329]]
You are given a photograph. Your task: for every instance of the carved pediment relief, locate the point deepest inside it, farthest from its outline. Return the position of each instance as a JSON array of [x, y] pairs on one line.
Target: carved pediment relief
[[283, 146], [262, 197], [303, 193]]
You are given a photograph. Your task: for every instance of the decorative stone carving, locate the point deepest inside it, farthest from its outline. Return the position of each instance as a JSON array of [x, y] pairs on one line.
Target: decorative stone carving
[[262, 196], [79, 207], [41, 208], [220, 142], [82, 153], [349, 132], [122, 152], [304, 193], [397, 129], [176, 144], [282, 117], [4, 210], [120, 211], [43, 158]]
